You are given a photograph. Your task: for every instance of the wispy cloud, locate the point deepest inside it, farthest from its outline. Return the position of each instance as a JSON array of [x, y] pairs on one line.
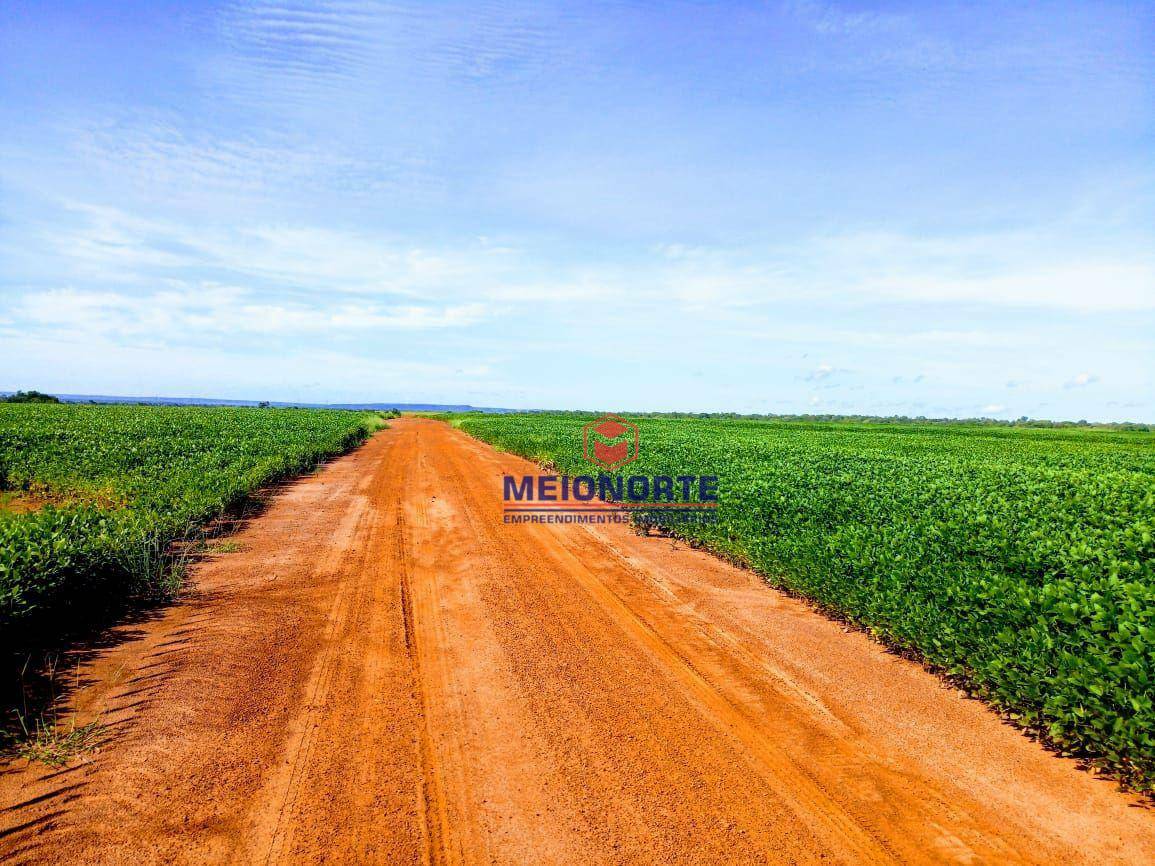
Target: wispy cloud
[[299, 51], [238, 369], [1011, 269], [832, 18], [821, 373], [159, 151], [359, 50], [111, 245], [192, 313], [100, 245], [1082, 380]]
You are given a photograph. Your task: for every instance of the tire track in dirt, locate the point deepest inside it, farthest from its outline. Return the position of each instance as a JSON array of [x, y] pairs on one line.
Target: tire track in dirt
[[388, 674], [286, 792], [440, 842], [433, 811], [816, 810], [324, 802], [812, 805], [482, 763]]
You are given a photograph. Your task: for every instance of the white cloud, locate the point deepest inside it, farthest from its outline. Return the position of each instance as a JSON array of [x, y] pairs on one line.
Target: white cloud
[[1082, 380], [118, 247], [308, 373], [276, 52], [830, 19], [1015, 268], [994, 409], [187, 312], [158, 151]]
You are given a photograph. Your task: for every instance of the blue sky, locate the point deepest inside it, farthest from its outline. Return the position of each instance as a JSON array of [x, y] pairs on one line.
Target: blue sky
[[938, 209]]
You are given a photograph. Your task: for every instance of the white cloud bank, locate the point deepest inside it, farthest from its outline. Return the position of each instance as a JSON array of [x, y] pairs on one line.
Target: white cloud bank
[[1023, 270], [208, 310]]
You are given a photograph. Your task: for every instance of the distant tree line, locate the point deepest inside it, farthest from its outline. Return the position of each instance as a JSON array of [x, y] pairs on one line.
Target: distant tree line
[[1023, 421], [30, 397]]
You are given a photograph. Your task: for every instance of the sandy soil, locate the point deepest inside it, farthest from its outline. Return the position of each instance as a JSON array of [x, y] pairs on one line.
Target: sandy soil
[[385, 673]]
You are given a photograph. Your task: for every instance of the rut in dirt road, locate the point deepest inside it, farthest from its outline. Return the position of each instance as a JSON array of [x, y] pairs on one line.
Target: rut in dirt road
[[387, 673]]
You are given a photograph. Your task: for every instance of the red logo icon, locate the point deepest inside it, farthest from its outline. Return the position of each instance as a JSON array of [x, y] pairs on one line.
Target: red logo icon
[[610, 441]]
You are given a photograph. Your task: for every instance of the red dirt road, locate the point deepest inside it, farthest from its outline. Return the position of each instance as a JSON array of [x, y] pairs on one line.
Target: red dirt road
[[385, 673]]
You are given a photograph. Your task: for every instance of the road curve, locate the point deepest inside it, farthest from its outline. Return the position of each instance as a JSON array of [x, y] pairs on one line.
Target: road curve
[[386, 673]]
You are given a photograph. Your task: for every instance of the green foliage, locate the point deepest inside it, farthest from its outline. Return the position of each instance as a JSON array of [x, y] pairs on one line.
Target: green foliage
[[123, 483], [1021, 561], [56, 744], [29, 397]]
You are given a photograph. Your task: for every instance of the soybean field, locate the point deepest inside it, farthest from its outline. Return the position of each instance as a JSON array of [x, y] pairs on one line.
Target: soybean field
[[93, 496]]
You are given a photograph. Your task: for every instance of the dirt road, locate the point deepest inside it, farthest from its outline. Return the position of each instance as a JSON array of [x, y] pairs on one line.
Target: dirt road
[[385, 673]]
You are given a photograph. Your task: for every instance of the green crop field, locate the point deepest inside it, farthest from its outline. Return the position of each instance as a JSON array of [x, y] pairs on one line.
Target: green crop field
[[1020, 561], [94, 496]]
